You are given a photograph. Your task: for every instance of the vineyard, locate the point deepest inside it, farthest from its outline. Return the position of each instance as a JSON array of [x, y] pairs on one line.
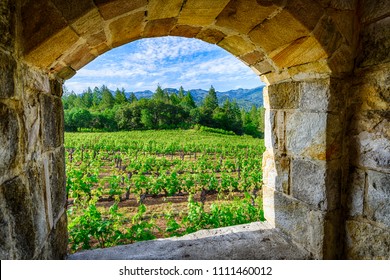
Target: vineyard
[[130, 186]]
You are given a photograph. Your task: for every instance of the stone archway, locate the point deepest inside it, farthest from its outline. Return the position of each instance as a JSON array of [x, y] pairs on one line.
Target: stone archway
[[326, 175]]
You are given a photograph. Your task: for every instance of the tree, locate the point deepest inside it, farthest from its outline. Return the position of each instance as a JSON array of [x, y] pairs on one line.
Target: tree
[[132, 98], [120, 96], [210, 102], [108, 100]]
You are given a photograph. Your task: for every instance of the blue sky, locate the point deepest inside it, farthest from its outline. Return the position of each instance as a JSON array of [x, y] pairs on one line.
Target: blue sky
[[166, 61]]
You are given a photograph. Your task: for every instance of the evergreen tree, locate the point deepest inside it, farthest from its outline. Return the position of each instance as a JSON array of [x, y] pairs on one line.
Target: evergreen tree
[[132, 98], [120, 96], [108, 100]]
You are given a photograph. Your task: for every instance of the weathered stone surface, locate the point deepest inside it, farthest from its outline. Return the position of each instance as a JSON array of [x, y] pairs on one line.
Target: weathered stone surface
[[300, 51], [263, 67], [306, 12], [78, 58], [54, 165], [47, 52], [270, 138], [276, 172], [201, 12], [37, 28], [278, 31], [308, 183], [73, 9], [255, 241], [367, 241], [185, 31], [284, 95], [9, 139], [7, 72], [211, 36], [158, 9], [378, 197], [90, 23], [18, 204], [159, 27], [56, 87], [244, 15], [114, 8], [306, 134], [52, 117], [35, 82], [328, 35], [252, 57], [315, 96], [7, 24], [375, 43], [126, 29], [236, 45], [5, 232], [355, 196], [374, 10], [305, 225]]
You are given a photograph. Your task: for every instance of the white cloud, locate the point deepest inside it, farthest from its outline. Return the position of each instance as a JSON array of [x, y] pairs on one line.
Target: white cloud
[[168, 61]]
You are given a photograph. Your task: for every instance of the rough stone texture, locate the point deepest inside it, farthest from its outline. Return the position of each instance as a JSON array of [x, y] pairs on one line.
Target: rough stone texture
[[377, 206], [374, 10], [201, 12], [185, 31], [159, 27], [244, 15], [255, 241], [9, 139], [7, 70], [375, 44], [7, 24], [158, 9], [367, 241], [295, 218], [73, 9], [236, 45], [127, 28], [211, 36], [52, 121], [356, 193], [114, 8]]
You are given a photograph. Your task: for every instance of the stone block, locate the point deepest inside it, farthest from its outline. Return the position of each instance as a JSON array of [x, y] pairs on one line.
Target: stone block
[[315, 95], [127, 29], [378, 197], [47, 52], [37, 186], [263, 67], [281, 30], [158, 9], [276, 172], [301, 51], [355, 196], [375, 43], [9, 139], [185, 31], [252, 57], [243, 15], [54, 164], [37, 28], [90, 23], [366, 241], [113, 8], [306, 12], [374, 10], [18, 203], [308, 183], [304, 225], [211, 36], [73, 9], [5, 232], [7, 24], [328, 34], [284, 95], [7, 72], [56, 88], [270, 123], [159, 27], [236, 45], [52, 117], [306, 134], [78, 58], [201, 12], [35, 82]]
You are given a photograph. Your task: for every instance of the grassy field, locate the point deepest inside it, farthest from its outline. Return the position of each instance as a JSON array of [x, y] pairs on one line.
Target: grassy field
[[129, 186]]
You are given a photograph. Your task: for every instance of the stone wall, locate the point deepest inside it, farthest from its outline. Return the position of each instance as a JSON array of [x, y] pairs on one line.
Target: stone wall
[[326, 64], [302, 164], [368, 195], [32, 171]]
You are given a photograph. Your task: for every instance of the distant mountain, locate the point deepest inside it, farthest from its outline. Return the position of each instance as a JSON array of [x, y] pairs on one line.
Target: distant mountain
[[244, 97]]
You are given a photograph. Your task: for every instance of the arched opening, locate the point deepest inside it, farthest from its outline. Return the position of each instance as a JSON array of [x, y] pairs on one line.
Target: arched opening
[[304, 50], [172, 163]]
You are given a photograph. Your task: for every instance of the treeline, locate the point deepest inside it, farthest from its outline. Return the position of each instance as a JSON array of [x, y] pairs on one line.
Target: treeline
[[100, 110]]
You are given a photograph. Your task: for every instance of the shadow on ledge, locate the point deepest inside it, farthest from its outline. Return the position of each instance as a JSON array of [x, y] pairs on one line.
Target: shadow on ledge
[[254, 241]]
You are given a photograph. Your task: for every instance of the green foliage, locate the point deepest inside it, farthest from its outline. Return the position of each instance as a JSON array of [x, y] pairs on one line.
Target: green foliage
[[102, 110]]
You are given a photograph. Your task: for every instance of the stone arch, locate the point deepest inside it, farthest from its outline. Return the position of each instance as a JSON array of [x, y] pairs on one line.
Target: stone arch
[[304, 50]]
